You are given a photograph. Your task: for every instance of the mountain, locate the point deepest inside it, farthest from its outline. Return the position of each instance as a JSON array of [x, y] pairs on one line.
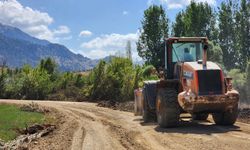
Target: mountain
[[19, 48], [15, 33]]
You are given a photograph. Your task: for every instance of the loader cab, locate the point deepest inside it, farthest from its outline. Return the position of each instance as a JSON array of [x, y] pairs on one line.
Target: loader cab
[[180, 50]]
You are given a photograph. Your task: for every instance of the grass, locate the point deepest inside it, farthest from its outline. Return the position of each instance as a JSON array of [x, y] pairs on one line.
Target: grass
[[11, 118]]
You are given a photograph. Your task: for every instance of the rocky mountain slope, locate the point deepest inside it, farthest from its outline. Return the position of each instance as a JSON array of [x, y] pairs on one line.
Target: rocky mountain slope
[[19, 48]]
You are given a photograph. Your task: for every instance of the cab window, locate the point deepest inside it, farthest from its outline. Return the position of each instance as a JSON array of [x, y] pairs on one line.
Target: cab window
[[186, 52]]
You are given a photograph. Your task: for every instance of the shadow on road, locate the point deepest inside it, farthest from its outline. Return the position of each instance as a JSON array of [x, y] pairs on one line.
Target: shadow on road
[[192, 127], [151, 123], [195, 127]]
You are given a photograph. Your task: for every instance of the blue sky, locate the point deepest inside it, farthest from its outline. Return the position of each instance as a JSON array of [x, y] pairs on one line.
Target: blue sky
[[94, 28]]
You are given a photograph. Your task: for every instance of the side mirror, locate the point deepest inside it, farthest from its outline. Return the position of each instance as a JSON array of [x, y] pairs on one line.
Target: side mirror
[[205, 47]]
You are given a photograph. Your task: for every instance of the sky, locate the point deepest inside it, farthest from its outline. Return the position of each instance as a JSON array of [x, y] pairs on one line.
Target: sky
[[93, 28]]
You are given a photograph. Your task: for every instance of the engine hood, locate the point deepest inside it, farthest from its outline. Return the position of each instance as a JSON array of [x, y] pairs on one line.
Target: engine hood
[[197, 66], [203, 80]]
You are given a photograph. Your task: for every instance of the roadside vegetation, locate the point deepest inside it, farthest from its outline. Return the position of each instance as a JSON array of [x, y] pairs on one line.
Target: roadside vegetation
[[13, 118], [112, 80]]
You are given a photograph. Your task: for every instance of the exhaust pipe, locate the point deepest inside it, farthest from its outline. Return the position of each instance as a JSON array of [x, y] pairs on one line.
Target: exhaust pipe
[[204, 61]]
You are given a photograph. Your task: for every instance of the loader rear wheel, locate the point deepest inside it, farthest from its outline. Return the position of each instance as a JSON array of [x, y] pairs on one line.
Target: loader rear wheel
[[167, 108], [226, 118], [200, 116], [147, 114]]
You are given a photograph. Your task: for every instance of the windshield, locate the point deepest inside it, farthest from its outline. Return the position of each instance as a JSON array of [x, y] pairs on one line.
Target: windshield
[[187, 52]]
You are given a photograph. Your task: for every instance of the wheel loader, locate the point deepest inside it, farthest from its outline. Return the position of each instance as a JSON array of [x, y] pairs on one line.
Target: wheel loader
[[190, 84]]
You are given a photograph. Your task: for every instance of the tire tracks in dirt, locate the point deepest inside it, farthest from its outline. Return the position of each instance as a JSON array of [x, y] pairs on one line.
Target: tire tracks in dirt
[[106, 129], [126, 138]]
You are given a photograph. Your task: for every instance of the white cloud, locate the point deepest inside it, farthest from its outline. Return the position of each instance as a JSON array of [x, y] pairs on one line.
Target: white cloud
[[61, 30], [125, 13], [109, 44], [31, 21], [110, 40], [175, 4], [85, 33]]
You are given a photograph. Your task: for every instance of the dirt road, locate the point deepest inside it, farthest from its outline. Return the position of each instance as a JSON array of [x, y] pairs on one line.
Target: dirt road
[[97, 128]]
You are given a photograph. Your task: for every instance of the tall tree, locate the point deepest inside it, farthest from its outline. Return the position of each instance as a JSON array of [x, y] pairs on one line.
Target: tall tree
[[128, 50], [154, 30], [244, 33], [248, 81], [48, 64], [197, 20], [179, 25], [227, 34]]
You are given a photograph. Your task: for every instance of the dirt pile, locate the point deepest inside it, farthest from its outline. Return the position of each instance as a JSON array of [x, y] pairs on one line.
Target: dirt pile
[[244, 115], [123, 106], [30, 134]]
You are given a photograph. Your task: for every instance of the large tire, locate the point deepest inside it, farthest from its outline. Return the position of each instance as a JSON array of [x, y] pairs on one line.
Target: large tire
[[167, 108], [147, 114], [200, 116], [227, 117]]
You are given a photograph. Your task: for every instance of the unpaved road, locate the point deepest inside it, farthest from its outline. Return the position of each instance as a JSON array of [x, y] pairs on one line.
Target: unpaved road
[[97, 128]]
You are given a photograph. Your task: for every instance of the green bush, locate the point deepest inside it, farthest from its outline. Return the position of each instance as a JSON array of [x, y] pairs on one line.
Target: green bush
[[215, 53], [2, 82], [115, 80], [68, 86], [29, 84], [239, 83], [42, 82]]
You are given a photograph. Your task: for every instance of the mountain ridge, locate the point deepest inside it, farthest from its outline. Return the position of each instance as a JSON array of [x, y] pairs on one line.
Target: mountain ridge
[[19, 48]]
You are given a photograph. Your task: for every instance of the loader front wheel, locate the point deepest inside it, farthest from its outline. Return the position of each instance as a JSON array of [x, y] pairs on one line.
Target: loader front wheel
[[167, 108], [226, 118]]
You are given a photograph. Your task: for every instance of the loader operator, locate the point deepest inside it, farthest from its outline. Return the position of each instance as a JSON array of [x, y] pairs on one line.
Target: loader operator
[[187, 56]]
